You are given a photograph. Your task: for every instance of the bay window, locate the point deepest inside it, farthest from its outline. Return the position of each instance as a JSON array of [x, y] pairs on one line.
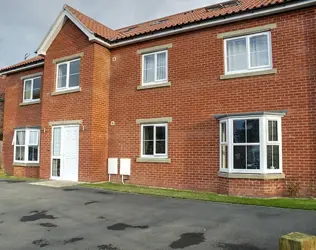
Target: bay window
[[251, 144], [26, 145], [248, 53], [155, 67]]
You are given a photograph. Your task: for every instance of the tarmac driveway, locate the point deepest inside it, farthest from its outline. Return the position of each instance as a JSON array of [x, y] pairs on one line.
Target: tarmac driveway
[[34, 217]]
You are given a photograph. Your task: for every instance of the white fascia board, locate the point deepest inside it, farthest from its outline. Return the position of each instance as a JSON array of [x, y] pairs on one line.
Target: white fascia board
[[56, 27]]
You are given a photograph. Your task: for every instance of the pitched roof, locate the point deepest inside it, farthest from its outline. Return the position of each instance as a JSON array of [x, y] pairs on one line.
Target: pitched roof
[[185, 18], [93, 25], [28, 62]]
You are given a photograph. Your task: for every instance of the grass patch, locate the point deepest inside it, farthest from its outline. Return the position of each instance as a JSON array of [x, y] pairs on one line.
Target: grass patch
[[306, 204], [4, 175]]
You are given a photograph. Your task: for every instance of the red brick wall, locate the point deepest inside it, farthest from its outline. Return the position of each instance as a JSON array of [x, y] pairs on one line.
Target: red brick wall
[[195, 64], [15, 115], [87, 105], [29, 172]]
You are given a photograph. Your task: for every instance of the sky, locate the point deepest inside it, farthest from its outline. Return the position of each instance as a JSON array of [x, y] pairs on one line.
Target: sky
[[24, 23]]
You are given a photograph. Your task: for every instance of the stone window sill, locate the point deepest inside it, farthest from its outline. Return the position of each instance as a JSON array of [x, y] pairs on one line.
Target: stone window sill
[[26, 165], [153, 160], [68, 91], [247, 74], [251, 176], [30, 103], [152, 86]]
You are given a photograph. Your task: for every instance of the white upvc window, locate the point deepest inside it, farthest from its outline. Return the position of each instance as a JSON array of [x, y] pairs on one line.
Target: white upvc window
[[68, 75], [248, 53], [26, 145], [32, 89], [155, 67], [154, 140], [251, 145]]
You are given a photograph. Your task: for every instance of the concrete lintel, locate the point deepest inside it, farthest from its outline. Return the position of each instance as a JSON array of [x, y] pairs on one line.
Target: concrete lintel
[[154, 120], [154, 49], [73, 122], [248, 31], [68, 58], [32, 75]]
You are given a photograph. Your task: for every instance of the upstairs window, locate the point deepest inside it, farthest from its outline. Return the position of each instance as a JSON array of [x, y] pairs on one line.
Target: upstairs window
[[68, 75], [248, 53], [26, 145], [155, 67], [32, 89]]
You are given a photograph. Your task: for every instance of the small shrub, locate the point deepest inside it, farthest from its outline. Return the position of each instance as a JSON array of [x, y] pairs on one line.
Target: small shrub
[[293, 189]]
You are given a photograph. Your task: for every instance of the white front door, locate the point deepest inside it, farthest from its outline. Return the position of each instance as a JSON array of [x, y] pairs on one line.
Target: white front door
[[65, 153]]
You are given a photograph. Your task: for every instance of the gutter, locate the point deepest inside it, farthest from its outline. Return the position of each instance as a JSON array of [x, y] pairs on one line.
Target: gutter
[[223, 20], [22, 68]]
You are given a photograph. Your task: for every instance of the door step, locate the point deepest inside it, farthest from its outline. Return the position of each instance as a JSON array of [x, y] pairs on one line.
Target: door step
[[56, 184]]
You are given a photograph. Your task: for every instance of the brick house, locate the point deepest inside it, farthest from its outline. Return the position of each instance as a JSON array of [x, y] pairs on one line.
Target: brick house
[[220, 98]]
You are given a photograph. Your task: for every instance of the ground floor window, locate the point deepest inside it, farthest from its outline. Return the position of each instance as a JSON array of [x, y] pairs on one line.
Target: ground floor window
[[26, 145], [251, 144], [154, 140]]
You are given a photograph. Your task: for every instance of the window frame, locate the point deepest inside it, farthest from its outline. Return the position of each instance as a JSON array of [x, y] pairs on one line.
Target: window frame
[[223, 143], [155, 67], [164, 156], [32, 88], [263, 142], [250, 68], [67, 75], [27, 145]]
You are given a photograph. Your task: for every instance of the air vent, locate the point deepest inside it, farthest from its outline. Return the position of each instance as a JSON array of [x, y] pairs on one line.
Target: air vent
[[223, 5], [129, 29], [159, 22]]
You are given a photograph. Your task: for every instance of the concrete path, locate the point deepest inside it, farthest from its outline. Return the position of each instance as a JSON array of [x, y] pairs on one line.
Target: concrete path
[[37, 217]]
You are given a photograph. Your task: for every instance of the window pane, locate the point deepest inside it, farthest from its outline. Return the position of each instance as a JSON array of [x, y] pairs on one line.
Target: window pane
[[148, 147], [161, 66], [33, 138], [28, 90], [149, 68], [148, 133], [62, 76], [239, 157], [224, 157], [56, 141], [74, 80], [160, 147], [160, 133], [259, 51], [36, 88], [253, 157], [273, 130], [239, 131], [237, 54], [223, 132], [19, 153], [253, 131], [273, 156], [33, 153], [20, 138], [75, 67], [56, 168]]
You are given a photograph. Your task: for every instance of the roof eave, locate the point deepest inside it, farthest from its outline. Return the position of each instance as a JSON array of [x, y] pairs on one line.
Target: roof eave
[[21, 68]]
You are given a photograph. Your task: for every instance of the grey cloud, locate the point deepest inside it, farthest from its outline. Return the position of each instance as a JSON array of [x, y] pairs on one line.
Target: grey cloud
[[23, 24]]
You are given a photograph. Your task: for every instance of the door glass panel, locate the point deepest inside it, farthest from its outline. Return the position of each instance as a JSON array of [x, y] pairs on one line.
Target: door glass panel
[[57, 142], [56, 168]]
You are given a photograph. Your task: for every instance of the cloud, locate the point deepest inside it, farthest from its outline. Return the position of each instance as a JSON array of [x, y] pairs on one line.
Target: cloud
[[23, 24]]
